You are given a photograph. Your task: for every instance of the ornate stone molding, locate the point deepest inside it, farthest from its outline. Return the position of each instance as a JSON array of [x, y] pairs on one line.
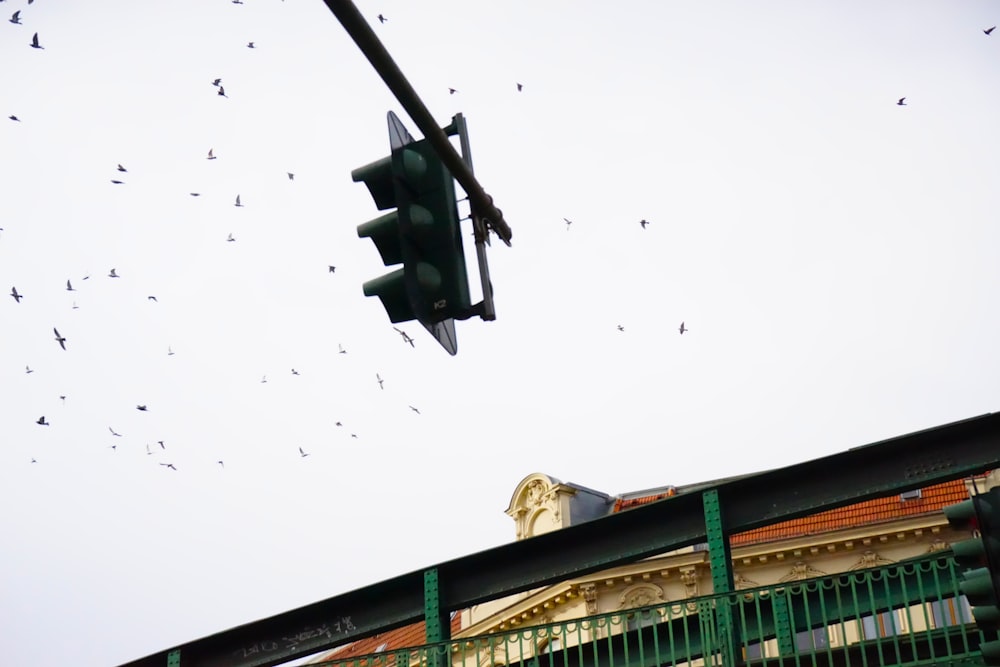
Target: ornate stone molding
[[590, 598], [536, 506], [641, 595], [801, 570], [870, 559]]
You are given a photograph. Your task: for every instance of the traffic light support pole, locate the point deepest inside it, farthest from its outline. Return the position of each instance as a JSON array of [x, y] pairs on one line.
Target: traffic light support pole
[[369, 43]]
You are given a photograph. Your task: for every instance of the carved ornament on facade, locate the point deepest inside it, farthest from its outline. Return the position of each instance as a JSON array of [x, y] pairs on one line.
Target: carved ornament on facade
[[689, 577], [590, 598], [641, 595], [802, 570], [938, 545], [870, 559]]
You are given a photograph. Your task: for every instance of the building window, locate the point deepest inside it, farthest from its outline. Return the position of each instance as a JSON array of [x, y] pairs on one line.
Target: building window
[[951, 611], [882, 625], [812, 640]]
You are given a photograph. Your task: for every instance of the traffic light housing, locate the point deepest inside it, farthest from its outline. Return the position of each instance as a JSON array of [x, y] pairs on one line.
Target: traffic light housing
[[422, 233], [979, 556]]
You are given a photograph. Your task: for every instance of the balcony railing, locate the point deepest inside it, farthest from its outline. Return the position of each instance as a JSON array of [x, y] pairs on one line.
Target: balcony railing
[[908, 613]]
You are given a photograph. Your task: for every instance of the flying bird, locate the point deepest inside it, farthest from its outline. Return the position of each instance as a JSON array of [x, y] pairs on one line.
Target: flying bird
[[230, 238], [141, 408], [160, 443], [34, 461], [452, 91], [13, 293], [211, 155], [291, 176], [621, 328], [222, 91], [415, 410], [16, 18], [150, 298], [34, 42], [382, 19], [238, 201], [986, 32], [13, 117], [568, 223], [263, 380], [148, 452], [519, 87], [221, 464], [682, 328], [171, 465], [294, 372], [113, 274], [380, 381], [342, 350], [198, 194], [406, 337], [75, 307], [116, 182], [333, 269], [121, 168], [69, 286], [27, 369], [643, 223], [170, 351], [216, 83], [114, 433], [59, 339], [901, 102], [302, 453], [41, 421], [250, 45]]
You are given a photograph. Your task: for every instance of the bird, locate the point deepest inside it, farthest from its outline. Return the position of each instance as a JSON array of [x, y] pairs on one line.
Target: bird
[[150, 298], [16, 18], [519, 87], [113, 447], [171, 465], [643, 223], [34, 42], [121, 168], [237, 2], [985, 32], [148, 452], [211, 155], [27, 370], [901, 102], [75, 307], [250, 45], [141, 408], [217, 82], [452, 91], [59, 339], [114, 433], [222, 91], [34, 461], [302, 453], [221, 464], [682, 328], [294, 372], [13, 117], [116, 182], [13, 293], [354, 435], [160, 443], [238, 203], [342, 350], [170, 351], [406, 338], [69, 286], [415, 410], [263, 380], [621, 328], [113, 274], [380, 381], [41, 421], [291, 176], [63, 399], [568, 223], [338, 424], [333, 269], [230, 238], [197, 194], [382, 19]]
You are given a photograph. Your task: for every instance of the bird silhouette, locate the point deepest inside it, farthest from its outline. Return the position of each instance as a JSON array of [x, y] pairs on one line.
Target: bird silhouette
[[452, 91], [151, 298], [985, 32], [230, 238], [114, 433], [113, 274], [333, 269], [568, 223], [121, 168], [13, 293], [222, 91], [238, 203], [342, 350], [643, 223], [211, 154], [519, 87], [216, 83], [171, 465], [380, 381], [170, 351], [16, 18], [382, 19], [141, 408], [195, 194], [160, 443], [682, 328], [13, 117], [415, 410], [901, 102], [27, 370], [294, 372], [621, 328], [148, 451], [291, 176], [406, 337], [302, 453], [221, 464], [41, 421], [263, 380], [34, 461], [75, 307], [59, 339], [69, 286], [34, 42], [116, 182], [250, 45]]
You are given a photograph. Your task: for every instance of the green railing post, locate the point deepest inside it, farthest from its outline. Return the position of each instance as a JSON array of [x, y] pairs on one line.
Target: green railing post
[[174, 658], [720, 560], [438, 627]]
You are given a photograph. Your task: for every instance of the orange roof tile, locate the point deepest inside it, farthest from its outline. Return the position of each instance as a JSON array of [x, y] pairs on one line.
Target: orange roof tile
[[404, 637]]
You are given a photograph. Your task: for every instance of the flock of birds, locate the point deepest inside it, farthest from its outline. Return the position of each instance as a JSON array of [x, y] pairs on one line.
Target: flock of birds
[[119, 180]]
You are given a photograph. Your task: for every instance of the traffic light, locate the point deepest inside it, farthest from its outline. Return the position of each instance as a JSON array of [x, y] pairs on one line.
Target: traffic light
[[422, 233], [980, 557]]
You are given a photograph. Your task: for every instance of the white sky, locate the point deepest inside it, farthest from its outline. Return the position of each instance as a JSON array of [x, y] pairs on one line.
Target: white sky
[[834, 255]]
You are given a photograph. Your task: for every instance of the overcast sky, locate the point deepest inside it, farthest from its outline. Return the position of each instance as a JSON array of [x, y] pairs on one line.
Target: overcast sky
[[834, 255]]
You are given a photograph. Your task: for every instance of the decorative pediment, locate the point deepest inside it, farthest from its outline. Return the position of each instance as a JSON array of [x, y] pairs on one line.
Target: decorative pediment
[[870, 559], [641, 595], [802, 570], [536, 505]]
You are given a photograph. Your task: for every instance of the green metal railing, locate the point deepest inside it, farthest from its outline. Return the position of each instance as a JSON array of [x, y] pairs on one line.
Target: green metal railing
[[908, 613]]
